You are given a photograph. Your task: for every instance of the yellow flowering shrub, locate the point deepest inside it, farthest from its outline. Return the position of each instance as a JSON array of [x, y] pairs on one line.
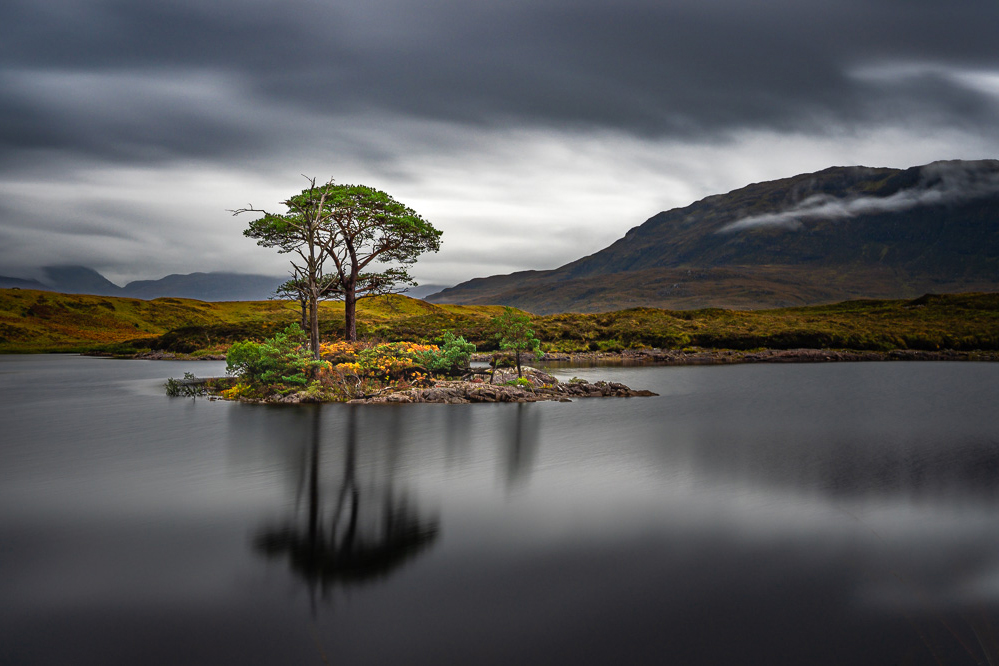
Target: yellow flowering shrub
[[340, 351], [237, 391], [358, 367], [348, 368]]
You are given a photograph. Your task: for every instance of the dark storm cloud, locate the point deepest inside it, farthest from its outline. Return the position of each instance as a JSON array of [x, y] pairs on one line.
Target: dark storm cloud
[[680, 69], [129, 127], [125, 117]]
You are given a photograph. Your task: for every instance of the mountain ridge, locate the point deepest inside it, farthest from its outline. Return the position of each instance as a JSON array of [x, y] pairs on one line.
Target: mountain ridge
[[215, 286], [835, 234]]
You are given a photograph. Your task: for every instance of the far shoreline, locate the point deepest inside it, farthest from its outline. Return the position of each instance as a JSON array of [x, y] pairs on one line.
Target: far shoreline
[[676, 357], [670, 357]]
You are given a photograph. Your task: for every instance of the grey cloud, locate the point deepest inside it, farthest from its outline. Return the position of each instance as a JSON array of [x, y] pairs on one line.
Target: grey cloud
[[941, 183], [120, 116], [399, 92], [680, 69]]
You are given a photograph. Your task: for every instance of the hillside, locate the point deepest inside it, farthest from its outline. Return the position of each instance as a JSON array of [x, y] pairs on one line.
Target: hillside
[[841, 233], [37, 321], [42, 321]]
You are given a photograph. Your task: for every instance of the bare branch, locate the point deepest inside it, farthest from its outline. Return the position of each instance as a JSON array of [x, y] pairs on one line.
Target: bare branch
[[249, 209]]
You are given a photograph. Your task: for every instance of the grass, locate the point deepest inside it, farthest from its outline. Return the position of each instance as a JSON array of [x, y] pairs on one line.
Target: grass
[[41, 321], [38, 321], [960, 322]]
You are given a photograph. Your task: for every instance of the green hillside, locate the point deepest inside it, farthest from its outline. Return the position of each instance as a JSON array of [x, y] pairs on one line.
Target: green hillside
[[37, 321], [43, 321]]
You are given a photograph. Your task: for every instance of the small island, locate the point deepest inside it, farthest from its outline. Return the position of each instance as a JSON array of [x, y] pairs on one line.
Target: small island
[[534, 386], [338, 235], [283, 370]]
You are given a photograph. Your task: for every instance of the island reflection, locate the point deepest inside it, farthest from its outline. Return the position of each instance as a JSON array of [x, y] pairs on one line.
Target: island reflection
[[345, 532], [865, 522]]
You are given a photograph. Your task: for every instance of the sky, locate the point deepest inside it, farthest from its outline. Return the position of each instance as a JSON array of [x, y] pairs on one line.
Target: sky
[[530, 132]]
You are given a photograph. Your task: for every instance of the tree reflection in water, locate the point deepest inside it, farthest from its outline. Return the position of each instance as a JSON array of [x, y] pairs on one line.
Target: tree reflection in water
[[520, 445], [351, 536]]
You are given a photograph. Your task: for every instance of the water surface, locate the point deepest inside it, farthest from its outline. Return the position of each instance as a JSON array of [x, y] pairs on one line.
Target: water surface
[[781, 514]]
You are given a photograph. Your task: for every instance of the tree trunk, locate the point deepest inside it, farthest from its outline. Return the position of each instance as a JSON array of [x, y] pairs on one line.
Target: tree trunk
[[314, 267], [314, 323], [304, 304], [350, 314], [519, 373]]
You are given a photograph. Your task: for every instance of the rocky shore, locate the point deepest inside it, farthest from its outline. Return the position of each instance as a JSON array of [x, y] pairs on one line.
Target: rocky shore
[[537, 386], [540, 386]]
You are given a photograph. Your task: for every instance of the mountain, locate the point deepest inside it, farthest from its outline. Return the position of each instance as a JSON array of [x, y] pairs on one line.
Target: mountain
[[199, 286], [424, 290], [21, 283], [840, 233], [206, 287], [225, 287], [79, 280]]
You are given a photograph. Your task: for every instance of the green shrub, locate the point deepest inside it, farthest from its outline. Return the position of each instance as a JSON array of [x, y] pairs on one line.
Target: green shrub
[[451, 358], [283, 359]]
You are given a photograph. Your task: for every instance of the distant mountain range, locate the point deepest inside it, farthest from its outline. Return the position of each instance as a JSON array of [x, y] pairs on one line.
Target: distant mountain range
[[200, 286], [841, 233]]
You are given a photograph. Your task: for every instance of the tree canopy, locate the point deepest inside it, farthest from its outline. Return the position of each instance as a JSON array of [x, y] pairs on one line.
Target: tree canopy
[[297, 231], [514, 333], [353, 241], [366, 228]]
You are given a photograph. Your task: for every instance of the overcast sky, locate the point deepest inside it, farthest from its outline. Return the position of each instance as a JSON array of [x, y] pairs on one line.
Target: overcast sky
[[532, 132]]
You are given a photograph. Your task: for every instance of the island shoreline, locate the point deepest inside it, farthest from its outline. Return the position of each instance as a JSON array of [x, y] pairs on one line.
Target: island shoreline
[[671, 357], [504, 386]]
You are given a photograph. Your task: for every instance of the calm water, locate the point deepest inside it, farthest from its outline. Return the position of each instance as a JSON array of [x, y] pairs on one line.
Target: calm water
[[785, 514]]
